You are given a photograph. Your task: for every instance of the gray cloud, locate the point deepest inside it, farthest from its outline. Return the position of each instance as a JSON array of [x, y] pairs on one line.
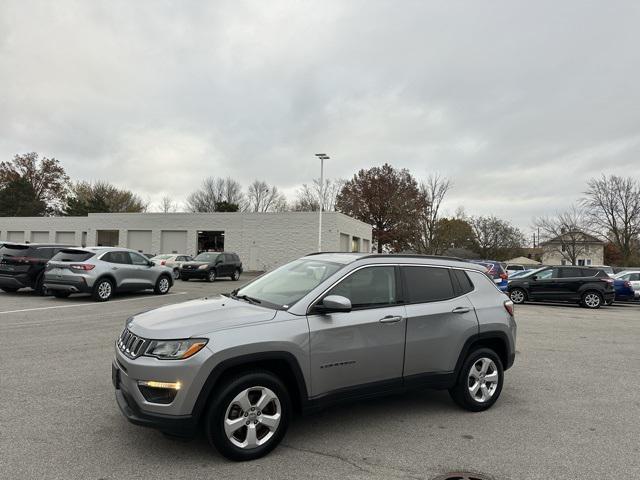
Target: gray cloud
[[519, 103]]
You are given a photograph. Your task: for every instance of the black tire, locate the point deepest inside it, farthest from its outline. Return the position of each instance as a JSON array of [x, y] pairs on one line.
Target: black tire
[[38, 288], [61, 294], [163, 285], [9, 289], [211, 275], [176, 273], [518, 296], [236, 275], [222, 401], [461, 394], [102, 293], [591, 299]]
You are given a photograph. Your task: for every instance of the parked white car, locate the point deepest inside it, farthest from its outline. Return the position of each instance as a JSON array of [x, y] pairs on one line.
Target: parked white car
[[633, 277], [511, 268], [173, 261]]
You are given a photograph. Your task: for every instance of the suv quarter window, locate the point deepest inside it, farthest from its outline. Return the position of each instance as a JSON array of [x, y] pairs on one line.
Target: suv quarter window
[[461, 282], [427, 284], [369, 287]]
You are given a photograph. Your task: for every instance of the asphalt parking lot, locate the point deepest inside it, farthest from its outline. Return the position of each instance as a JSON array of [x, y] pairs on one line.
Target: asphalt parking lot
[[569, 408]]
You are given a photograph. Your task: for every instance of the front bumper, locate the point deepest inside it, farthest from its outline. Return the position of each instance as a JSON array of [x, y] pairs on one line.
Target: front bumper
[[181, 425], [196, 273]]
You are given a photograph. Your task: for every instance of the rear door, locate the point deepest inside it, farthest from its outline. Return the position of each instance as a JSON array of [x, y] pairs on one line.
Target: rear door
[[363, 346], [119, 264], [439, 318]]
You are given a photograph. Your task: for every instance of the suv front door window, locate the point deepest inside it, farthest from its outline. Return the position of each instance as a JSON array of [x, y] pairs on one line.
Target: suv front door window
[[368, 342]]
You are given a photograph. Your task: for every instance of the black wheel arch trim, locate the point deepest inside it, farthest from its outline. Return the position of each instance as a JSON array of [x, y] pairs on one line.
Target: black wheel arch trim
[[248, 359], [483, 337]]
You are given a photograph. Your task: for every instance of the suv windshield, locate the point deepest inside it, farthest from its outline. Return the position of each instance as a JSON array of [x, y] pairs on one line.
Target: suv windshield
[[207, 257], [286, 285]]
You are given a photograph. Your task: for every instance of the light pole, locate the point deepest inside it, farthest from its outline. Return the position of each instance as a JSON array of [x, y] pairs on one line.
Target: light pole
[[322, 157]]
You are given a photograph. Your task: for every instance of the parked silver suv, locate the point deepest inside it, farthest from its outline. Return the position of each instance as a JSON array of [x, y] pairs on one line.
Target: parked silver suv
[[321, 329], [103, 271]]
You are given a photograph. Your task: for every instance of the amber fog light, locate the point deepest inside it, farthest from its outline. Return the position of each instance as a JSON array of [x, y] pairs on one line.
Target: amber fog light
[[159, 392]]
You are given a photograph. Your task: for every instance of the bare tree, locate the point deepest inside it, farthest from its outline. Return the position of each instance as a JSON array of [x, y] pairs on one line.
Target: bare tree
[[613, 207], [262, 197], [564, 233], [308, 196], [167, 205], [433, 190], [217, 194], [496, 239]]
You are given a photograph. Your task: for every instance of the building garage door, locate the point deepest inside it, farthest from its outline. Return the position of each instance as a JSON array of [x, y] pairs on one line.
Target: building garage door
[[16, 237], [67, 238], [139, 240], [173, 241], [344, 243], [39, 237]]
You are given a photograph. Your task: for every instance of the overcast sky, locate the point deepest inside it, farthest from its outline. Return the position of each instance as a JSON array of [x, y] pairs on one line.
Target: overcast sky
[[518, 103]]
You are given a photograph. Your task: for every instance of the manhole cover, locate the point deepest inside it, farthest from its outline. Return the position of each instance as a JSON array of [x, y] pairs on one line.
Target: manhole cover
[[463, 476]]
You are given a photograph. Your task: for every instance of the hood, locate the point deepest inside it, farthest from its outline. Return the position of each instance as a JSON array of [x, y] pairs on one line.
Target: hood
[[197, 317], [194, 264]]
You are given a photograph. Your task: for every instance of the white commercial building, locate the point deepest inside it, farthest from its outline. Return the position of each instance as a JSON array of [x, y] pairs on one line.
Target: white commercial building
[[262, 240]]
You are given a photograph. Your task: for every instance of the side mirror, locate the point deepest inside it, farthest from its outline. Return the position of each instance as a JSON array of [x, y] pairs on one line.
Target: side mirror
[[334, 303], [151, 264]]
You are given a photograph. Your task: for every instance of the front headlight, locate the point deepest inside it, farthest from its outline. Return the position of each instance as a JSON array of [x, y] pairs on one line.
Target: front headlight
[[175, 349], [203, 267]]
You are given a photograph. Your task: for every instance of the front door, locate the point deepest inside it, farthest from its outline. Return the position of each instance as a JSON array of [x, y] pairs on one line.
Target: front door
[[142, 273], [363, 346], [544, 287]]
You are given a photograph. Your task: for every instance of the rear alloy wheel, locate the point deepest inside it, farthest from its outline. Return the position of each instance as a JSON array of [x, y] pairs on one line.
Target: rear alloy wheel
[[162, 285], [236, 275], [517, 296], [103, 290], [480, 381], [591, 300], [211, 276], [176, 273], [250, 416]]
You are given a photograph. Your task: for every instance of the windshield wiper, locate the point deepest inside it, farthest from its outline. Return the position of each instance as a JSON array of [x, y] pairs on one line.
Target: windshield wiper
[[247, 298]]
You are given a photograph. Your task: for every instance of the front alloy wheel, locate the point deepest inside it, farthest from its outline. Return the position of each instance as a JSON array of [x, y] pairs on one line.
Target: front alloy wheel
[[163, 285], [250, 416], [211, 276]]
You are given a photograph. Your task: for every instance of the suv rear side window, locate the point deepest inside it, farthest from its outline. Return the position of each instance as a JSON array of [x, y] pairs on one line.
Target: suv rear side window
[[72, 256], [462, 283], [427, 284], [16, 250], [369, 287]]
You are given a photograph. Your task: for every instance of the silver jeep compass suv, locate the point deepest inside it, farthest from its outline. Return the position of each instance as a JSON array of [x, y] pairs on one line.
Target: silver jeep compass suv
[[324, 328]]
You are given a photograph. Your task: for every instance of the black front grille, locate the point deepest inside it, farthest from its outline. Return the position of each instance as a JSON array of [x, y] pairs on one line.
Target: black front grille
[[131, 345]]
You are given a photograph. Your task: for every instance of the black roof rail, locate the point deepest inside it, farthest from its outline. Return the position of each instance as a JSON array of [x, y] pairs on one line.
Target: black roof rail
[[397, 255]]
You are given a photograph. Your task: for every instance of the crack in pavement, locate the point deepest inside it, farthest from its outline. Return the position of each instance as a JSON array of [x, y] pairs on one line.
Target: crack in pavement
[[335, 456]]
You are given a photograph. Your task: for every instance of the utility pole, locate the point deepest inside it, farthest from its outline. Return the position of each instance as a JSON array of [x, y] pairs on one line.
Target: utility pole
[[322, 157]]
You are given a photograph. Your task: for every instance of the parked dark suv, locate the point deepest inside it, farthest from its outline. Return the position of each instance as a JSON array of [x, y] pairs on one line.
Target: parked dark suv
[[590, 287], [22, 265], [212, 265]]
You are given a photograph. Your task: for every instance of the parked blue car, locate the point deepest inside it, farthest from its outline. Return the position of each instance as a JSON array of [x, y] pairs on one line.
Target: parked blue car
[[624, 290], [496, 272]]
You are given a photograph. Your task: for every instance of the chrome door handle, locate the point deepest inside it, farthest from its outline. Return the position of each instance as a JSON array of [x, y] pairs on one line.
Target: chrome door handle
[[390, 319], [461, 310]]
